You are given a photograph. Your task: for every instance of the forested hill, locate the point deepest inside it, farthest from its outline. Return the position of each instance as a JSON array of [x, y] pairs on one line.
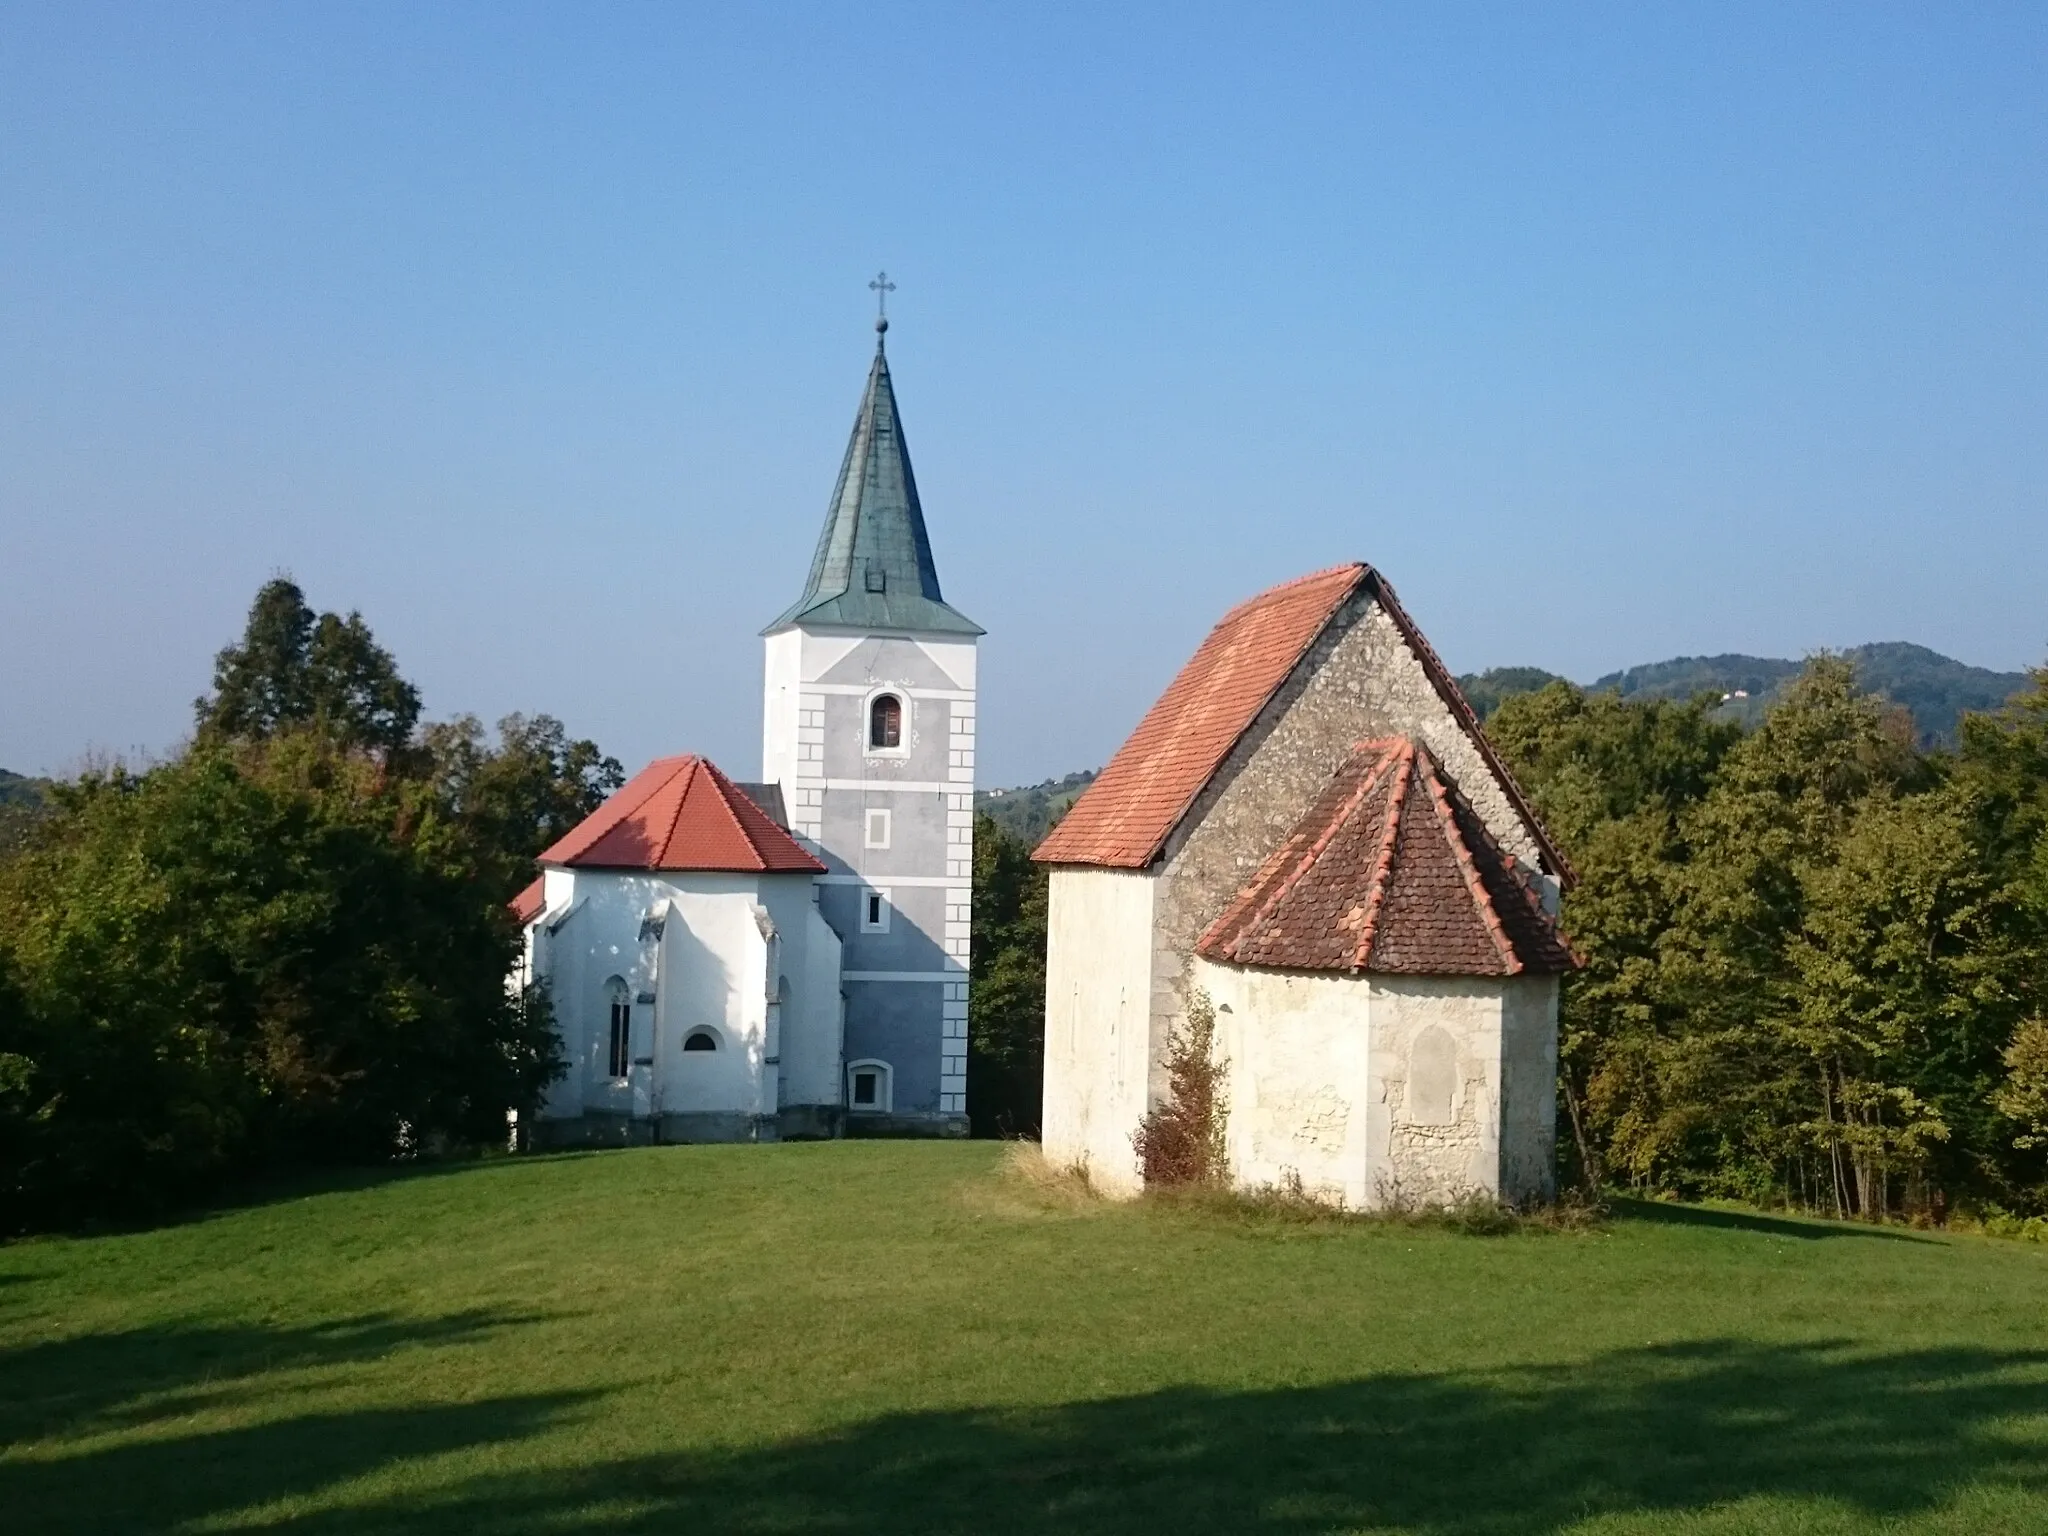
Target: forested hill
[[15, 789], [21, 799], [1935, 688], [1028, 813]]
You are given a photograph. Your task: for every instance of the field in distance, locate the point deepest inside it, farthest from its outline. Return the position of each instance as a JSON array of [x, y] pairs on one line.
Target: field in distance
[[901, 1337]]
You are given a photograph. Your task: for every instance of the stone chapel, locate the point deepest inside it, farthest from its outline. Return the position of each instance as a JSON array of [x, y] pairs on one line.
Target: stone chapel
[[787, 957], [1310, 828]]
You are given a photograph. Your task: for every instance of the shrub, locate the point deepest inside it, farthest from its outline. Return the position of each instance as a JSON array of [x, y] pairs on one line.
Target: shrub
[[1180, 1142]]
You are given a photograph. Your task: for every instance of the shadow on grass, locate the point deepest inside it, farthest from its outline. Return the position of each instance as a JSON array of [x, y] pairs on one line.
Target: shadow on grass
[[101, 1382], [1807, 1230], [1515, 1453]]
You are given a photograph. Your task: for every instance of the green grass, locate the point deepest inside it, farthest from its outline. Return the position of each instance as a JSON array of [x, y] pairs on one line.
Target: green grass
[[872, 1336]]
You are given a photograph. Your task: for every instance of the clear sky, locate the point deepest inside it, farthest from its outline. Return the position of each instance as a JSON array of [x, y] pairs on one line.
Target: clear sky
[[535, 333]]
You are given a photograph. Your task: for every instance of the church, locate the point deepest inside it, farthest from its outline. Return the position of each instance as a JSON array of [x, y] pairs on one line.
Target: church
[[1310, 831], [787, 957]]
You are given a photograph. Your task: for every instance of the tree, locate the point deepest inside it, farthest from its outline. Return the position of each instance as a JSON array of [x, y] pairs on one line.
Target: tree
[[293, 668], [517, 798], [256, 955], [1611, 778], [1006, 1004]]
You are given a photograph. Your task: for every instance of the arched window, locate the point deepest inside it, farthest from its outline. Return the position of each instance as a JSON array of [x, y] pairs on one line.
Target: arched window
[[700, 1040], [619, 1057], [885, 722]]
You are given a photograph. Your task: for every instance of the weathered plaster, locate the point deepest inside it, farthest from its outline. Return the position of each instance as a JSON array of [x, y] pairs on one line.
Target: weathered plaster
[[1098, 1002], [1359, 680]]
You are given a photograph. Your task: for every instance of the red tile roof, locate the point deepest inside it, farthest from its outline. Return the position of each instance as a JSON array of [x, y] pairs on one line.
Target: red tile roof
[[680, 813], [527, 905], [1124, 818], [1390, 870]]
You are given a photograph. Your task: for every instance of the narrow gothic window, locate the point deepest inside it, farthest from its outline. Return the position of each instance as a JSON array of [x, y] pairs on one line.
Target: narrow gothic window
[[885, 722], [619, 1059]]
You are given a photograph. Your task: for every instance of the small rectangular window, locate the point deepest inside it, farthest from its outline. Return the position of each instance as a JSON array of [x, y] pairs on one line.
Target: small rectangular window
[[874, 912], [878, 829], [864, 1087]]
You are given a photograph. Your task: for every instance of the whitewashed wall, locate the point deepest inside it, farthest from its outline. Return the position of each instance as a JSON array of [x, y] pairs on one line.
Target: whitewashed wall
[[1435, 1064], [726, 942], [1296, 1046], [1098, 1009], [811, 1027], [1375, 1089], [1529, 1088]]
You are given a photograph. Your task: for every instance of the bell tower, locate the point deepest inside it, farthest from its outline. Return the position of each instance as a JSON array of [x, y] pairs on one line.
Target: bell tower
[[869, 727]]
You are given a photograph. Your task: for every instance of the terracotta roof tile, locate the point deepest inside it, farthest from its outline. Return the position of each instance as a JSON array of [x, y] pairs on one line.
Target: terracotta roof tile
[[1390, 870], [1126, 815], [1124, 818], [680, 813], [527, 905]]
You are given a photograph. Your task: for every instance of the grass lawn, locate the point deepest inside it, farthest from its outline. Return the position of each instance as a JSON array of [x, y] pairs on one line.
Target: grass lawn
[[875, 1336]]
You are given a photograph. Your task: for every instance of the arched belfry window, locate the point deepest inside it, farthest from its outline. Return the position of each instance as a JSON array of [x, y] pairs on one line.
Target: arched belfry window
[[619, 1055], [885, 722]]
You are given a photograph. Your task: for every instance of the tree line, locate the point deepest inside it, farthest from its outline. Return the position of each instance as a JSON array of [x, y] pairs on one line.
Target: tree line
[[285, 944], [1816, 951]]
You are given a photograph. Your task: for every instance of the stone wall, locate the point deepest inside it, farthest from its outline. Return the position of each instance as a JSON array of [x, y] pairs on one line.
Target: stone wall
[[1359, 680]]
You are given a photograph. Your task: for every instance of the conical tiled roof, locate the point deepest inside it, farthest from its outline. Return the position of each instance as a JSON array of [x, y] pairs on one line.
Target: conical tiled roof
[[680, 813], [1390, 870], [873, 568]]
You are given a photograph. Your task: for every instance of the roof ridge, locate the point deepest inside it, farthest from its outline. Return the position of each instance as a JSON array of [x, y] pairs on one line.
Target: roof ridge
[[1306, 858], [668, 837], [1462, 852], [725, 790], [1307, 643], [1382, 875], [1468, 718], [1290, 584]]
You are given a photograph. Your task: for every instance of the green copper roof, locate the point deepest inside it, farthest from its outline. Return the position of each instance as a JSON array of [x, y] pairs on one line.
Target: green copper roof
[[873, 568]]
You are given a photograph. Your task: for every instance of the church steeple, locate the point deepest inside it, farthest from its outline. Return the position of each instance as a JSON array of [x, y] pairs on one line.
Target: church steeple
[[873, 568]]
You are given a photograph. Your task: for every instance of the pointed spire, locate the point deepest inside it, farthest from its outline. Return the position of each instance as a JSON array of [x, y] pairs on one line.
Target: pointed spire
[[873, 568]]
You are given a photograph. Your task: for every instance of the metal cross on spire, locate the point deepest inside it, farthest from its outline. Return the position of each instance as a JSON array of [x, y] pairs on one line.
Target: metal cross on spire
[[882, 288]]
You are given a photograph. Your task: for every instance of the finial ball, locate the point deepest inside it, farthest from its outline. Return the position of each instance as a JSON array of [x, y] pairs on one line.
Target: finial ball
[[882, 324]]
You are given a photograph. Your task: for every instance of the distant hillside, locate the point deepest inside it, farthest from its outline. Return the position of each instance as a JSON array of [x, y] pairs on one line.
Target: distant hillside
[[17, 789], [1935, 688], [1484, 691], [1029, 812], [21, 802]]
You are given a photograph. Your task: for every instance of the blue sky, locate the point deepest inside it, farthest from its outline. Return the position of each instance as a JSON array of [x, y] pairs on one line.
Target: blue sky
[[1609, 333]]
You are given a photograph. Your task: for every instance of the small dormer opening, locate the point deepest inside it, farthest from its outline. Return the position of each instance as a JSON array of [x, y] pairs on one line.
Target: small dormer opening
[[878, 578]]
